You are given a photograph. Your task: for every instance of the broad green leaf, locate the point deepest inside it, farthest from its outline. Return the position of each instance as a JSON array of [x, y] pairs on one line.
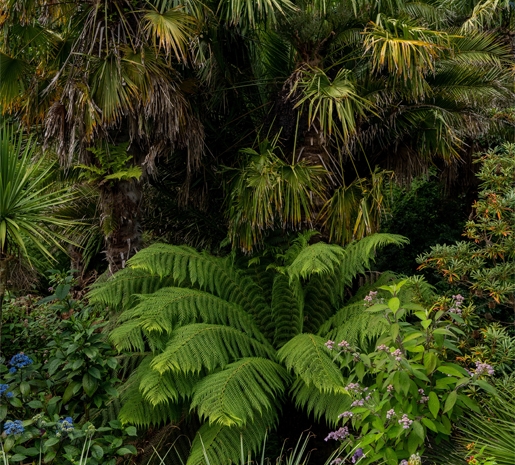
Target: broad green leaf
[[433, 404], [450, 401], [393, 304]]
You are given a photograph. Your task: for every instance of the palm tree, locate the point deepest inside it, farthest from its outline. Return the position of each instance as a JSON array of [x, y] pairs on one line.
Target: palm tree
[[27, 204], [354, 84], [215, 339]]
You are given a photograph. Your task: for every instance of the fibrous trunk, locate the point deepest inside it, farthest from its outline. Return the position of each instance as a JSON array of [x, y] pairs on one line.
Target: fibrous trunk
[[120, 205]]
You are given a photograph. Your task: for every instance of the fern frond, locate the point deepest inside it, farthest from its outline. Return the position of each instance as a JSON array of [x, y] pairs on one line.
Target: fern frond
[[287, 306], [138, 412], [354, 325], [360, 254], [172, 307], [117, 291], [158, 389], [221, 445], [319, 258], [320, 300], [128, 336], [326, 405], [209, 346], [240, 392], [310, 360], [216, 275]]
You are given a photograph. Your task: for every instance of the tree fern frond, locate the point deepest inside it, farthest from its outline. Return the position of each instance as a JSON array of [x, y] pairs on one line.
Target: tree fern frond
[[215, 275], [320, 300], [172, 307], [128, 336], [201, 345], [359, 254], [310, 360], [117, 291], [319, 258], [158, 389], [221, 445], [240, 392], [137, 411], [326, 405], [353, 324], [287, 306]]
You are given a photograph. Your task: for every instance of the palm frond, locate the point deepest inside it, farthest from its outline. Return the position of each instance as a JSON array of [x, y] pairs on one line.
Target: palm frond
[[170, 30], [309, 359], [239, 393]]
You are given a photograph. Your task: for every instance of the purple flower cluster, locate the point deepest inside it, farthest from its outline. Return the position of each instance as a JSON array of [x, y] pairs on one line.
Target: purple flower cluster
[[405, 421], [424, 400], [345, 415], [383, 348], [390, 388], [390, 414], [457, 302], [370, 297], [339, 434], [330, 344], [344, 345], [13, 427], [397, 353], [357, 455], [484, 369], [353, 387], [403, 462]]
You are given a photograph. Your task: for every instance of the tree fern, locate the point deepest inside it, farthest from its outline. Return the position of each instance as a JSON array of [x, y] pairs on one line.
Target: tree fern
[[309, 359], [240, 392], [194, 347], [222, 342]]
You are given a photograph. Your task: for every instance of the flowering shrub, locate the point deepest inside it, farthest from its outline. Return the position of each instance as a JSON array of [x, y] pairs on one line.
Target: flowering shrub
[[407, 387], [45, 407]]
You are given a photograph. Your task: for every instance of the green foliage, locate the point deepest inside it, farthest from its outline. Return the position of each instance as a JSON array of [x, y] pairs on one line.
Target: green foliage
[[489, 431], [485, 264], [111, 165], [426, 216], [213, 332], [407, 387]]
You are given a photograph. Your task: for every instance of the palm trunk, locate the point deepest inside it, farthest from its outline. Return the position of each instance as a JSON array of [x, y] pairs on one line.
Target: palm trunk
[[120, 204]]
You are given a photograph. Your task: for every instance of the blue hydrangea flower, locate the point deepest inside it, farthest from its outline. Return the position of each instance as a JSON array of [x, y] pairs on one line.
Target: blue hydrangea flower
[[66, 425], [20, 360], [13, 427], [4, 390], [12, 370]]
